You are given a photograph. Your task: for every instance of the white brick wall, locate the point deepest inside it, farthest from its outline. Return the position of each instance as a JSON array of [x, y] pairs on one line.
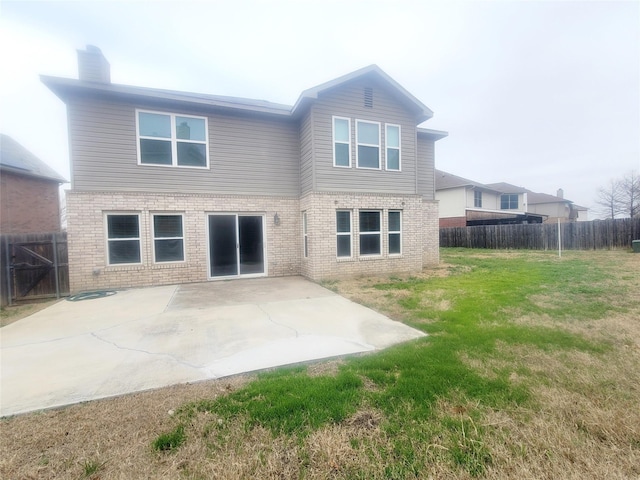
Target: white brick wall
[[88, 267]]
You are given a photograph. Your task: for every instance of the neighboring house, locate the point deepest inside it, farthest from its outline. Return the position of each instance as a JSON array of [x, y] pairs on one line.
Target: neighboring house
[[173, 187], [464, 202], [29, 191]]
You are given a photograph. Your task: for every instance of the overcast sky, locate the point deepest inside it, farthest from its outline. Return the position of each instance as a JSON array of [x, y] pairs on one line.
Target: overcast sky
[[543, 95]]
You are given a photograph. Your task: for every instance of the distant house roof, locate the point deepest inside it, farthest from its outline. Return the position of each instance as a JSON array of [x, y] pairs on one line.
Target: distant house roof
[[538, 198], [17, 159], [504, 187], [446, 180]]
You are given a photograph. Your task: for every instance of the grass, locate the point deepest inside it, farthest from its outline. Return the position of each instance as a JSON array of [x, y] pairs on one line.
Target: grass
[[530, 369]]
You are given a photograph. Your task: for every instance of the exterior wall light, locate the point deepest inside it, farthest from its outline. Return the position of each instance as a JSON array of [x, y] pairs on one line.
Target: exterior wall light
[[276, 219]]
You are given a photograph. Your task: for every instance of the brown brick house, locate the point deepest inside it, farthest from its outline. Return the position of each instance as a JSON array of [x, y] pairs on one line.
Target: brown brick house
[[29, 191]]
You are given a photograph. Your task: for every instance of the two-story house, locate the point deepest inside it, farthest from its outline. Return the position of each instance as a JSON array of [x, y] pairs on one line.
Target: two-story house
[[465, 202], [174, 187]]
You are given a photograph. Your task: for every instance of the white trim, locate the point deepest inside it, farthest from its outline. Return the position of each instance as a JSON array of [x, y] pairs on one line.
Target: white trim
[[173, 139], [106, 215], [344, 234], [305, 235], [378, 233], [333, 130], [152, 229], [378, 146], [386, 149], [394, 232]]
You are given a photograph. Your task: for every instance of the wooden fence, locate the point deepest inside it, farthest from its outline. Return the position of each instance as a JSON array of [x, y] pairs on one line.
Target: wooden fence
[[594, 235], [33, 266]]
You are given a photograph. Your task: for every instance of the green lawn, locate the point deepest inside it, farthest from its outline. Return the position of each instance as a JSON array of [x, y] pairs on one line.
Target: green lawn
[[429, 400]]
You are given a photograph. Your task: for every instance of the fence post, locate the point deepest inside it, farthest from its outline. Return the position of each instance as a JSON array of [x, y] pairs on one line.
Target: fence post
[[8, 267], [55, 264]]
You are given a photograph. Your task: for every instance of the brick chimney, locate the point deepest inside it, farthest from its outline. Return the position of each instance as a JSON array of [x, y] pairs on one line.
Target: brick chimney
[[560, 193], [92, 66]]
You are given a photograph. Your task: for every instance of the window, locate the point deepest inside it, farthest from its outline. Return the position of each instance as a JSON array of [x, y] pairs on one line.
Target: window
[[172, 140], [168, 238], [343, 233], [341, 142], [123, 239], [304, 234], [395, 232], [509, 202], [477, 198], [370, 243], [368, 139], [392, 139]]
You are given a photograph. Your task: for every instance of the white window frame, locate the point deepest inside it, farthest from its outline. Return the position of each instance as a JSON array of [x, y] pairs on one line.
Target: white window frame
[[477, 198], [387, 147], [349, 234], [394, 232], [333, 130], [154, 238], [305, 235], [109, 240], [378, 146], [378, 233], [174, 140]]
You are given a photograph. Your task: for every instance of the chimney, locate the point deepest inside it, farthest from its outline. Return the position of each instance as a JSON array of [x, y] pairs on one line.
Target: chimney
[[560, 193], [92, 66]]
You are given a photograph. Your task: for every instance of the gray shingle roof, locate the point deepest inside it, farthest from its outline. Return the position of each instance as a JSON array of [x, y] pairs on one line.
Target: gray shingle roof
[[17, 159]]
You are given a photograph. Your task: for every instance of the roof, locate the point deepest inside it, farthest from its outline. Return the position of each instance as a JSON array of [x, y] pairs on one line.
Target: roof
[[538, 198], [66, 88], [372, 71], [507, 188], [432, 134], [17, 159], [446, 180]]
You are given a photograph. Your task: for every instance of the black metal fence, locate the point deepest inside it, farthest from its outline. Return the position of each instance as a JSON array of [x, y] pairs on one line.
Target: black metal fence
[[33, 266], [594, 235]]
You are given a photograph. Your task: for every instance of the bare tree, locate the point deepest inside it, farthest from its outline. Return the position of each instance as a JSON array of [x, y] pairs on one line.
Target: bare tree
[[610, 199], [630, 189]]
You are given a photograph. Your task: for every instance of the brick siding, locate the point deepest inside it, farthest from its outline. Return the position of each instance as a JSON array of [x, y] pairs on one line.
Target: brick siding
[[28, 204]]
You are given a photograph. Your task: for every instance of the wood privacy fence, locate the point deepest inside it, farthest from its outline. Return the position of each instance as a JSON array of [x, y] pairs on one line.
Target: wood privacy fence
[[594, 235], [33, 266]]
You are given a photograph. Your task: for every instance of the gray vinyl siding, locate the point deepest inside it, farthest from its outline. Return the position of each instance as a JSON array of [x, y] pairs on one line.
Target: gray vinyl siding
[[348, 101], [426, 168], [306, 154], [247, 155]]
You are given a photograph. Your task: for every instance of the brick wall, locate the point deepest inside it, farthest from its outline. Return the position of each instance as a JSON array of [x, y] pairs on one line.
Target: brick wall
[[453, 222], [28, 205], [87, 236], [323, 263], [430, 233]]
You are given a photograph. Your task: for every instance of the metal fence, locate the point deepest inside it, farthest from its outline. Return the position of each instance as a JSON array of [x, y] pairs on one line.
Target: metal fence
[[594, 235]]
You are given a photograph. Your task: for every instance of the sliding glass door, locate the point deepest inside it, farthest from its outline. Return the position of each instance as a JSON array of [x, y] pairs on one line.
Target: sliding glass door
[[236, 245]]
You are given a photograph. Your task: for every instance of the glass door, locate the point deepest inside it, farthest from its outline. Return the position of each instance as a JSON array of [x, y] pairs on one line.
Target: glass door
[[236, 245]]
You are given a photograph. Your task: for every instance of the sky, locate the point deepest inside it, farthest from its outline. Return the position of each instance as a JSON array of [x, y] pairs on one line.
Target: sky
[[539, 94]]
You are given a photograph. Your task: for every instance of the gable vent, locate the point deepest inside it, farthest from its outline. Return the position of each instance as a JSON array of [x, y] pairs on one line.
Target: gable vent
[[368, 97]]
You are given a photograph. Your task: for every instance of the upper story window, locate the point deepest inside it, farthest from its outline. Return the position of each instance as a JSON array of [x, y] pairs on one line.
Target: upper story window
[[341, 142], [477, 198], [509, 201], [172, 140], [123, 239], [392, 140], [368, 144]]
